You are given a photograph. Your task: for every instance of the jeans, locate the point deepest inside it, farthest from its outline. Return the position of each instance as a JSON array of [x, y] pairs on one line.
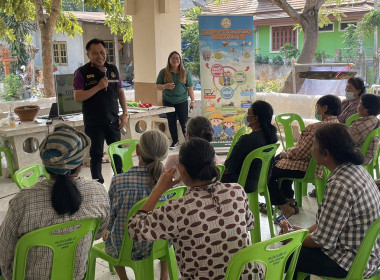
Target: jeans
[[99, 133], [182, 113]]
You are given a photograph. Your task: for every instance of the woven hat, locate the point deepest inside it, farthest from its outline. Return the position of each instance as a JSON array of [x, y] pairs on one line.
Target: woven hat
[[64, 149]]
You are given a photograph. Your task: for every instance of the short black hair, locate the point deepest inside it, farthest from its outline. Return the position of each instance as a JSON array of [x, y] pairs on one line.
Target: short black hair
[[94, 41], [372, 103], [337, 139], [358, 83], [333, 103]]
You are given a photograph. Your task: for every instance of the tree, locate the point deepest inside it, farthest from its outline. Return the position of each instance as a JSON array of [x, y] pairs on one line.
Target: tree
[[308, 19], [16, 46], [190, 41], [50, 17], [367, 27]]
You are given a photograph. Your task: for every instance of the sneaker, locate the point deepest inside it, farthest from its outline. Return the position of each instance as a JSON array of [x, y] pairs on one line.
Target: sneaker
[[174, 145]]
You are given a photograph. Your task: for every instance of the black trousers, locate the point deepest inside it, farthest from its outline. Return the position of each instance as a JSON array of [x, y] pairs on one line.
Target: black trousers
[[182, 113], [315, 262], [99, 133], [278, 194]]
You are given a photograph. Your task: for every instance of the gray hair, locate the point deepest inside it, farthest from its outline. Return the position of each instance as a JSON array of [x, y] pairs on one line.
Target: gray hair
[[200, 127], [154, 147]]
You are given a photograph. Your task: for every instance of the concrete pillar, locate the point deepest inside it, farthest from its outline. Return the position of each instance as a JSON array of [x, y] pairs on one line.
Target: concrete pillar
[[156, 33]]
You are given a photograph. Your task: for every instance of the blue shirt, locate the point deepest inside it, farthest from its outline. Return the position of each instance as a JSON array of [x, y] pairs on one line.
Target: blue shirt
[[126, 189]]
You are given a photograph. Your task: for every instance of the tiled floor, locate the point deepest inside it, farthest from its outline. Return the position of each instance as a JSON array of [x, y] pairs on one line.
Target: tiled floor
[[305, 217]]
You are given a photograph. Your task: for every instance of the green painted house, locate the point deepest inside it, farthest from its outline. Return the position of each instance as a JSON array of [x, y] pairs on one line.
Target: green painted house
[[274, 28]]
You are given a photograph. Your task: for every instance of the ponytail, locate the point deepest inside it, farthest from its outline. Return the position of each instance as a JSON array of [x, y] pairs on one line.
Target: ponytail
[[155, 169], [198, 157], [153, 148], [65, 196]]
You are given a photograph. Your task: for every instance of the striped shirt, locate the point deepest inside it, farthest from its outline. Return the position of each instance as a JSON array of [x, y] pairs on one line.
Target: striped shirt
[[31, 209], [350, 205], [299, 156], [126, 189], [359, 130]]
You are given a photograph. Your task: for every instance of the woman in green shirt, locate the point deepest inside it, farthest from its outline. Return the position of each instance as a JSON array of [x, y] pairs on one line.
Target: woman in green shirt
[[176, 85]]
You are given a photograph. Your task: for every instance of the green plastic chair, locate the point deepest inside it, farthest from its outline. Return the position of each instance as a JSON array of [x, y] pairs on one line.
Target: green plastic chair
[[239, 133], [63, 246], [265, 154], [274, 258], [221, 168], [286, 121], [29, 175], [124, 149], [361, 259], [8, 155], [351, 119], [143, 269], [374, 164], [300, 184]]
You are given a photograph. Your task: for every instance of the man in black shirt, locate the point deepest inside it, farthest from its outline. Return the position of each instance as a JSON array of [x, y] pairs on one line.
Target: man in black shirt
[[100, 103]]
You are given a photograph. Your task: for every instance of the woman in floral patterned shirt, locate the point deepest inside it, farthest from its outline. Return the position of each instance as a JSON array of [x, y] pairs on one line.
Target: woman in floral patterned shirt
[[208, 225]]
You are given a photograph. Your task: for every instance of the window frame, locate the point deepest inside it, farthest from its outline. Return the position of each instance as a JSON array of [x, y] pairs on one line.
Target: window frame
[[110, 55], [271, 37], [346, 22], [326, 31], [60, 56]]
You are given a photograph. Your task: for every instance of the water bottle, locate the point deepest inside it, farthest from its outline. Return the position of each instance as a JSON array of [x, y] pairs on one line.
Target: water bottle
[[12, 119]]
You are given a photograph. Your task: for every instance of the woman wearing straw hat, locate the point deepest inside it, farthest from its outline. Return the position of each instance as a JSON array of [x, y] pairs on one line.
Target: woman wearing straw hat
[[62, 198]]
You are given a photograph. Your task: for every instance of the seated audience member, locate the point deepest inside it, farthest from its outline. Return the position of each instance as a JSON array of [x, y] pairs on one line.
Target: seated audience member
[[369, 108], [263, 133], [207, 226], [354, 89], [62, 198], [294, 162], [350, 205], [196, 127], [128, 188]]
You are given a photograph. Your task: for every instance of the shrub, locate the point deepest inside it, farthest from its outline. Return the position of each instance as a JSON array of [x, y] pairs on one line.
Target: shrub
[[270, 85], [261, 59], [278, 60], [13, 88]]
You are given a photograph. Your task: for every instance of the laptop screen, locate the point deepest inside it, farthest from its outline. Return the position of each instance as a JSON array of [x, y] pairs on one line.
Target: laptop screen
[[65, 95]]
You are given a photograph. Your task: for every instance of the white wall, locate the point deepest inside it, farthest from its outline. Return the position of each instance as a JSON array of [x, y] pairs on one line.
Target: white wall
[[75, 51]]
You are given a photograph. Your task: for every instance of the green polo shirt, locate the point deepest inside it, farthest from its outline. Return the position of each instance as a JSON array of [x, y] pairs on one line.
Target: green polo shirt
[[179, 93]]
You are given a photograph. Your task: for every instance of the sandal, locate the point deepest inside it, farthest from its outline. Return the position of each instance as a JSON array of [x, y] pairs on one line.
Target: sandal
[[263, 208], [293, 203], [313, 193]]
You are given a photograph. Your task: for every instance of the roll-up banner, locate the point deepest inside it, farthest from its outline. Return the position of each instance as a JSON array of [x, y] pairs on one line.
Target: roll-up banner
[[227, 69]]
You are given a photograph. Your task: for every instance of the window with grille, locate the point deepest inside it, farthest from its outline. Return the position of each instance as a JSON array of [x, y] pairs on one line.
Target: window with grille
[[282, 35], [60, 53], [110, 51]]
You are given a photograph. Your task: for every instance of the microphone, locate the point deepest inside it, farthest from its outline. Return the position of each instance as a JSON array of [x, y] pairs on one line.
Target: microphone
[[104, 69]]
